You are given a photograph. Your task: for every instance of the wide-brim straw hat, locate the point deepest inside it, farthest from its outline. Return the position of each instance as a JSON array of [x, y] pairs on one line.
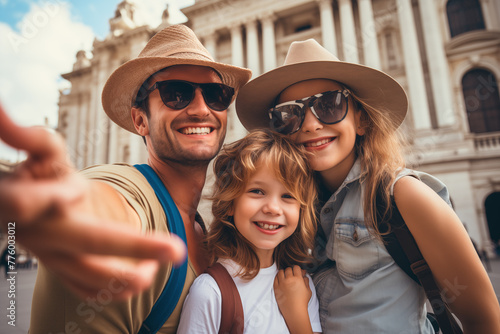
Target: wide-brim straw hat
[[174, 45], [309, 60]]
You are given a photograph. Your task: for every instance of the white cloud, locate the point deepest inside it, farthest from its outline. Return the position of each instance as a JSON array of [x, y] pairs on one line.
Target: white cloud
[[33, 58], [44, 46]]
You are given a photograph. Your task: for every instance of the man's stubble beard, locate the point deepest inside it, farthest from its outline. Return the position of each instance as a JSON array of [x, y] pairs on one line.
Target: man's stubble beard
[[165, 153]]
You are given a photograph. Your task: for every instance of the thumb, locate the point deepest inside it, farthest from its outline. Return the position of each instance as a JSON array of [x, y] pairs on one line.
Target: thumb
[[36, 141]]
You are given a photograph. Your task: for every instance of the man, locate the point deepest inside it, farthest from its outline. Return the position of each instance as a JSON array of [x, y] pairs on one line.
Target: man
[[175, 96]]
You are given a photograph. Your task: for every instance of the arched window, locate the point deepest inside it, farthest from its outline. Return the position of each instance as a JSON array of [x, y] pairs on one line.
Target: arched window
[[491, 206], [464, 16], [482, 100]]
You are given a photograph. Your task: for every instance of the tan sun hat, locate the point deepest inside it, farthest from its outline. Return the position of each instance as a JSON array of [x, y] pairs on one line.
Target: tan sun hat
[[309, 60], [174, 45]]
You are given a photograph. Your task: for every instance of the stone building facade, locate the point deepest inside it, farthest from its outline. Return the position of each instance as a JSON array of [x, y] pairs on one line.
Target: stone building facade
[[445, 53]]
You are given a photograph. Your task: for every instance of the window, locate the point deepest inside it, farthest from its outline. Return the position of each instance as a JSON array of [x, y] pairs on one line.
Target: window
[[303, 27], [392, 62], [493, 217], [482, 101], [464, 16]]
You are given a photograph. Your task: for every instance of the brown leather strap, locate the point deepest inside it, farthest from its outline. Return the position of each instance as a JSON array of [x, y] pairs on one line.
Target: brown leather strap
[[232, 318], [446, 320]]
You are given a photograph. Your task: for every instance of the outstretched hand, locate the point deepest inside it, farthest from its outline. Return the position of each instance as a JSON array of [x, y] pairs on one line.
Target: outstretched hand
[[53, 211]]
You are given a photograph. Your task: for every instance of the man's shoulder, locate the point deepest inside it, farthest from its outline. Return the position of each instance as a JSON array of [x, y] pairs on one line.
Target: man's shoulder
[[117, 167], [118, 171], [125, 178]]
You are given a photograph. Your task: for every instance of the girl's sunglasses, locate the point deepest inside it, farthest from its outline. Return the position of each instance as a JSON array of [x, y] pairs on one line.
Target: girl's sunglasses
[[178, 94], [328, 107]]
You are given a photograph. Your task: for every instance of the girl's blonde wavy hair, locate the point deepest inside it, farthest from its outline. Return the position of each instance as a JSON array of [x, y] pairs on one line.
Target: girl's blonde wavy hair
[[233, 167], [381, 152]]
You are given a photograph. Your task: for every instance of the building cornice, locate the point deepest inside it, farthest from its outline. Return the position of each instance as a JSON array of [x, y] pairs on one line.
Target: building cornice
[[472, 41], [123, 38], [78, 73], [240, 13], [198, 6]]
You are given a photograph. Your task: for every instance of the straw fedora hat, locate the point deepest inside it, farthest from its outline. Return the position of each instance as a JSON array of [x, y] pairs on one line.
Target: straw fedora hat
[[174, 45], [309, 60]]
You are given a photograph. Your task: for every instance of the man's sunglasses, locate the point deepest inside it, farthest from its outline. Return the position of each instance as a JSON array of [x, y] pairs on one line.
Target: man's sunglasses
[[178, 94], [328, 107]]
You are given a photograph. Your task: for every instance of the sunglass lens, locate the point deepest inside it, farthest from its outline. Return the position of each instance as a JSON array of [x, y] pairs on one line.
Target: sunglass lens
[[285, 119], [217, 96], [331, 107], [176, 95]]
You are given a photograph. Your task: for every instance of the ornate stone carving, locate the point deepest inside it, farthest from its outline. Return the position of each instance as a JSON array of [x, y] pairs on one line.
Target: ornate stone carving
[[81, 61], [124, 18]]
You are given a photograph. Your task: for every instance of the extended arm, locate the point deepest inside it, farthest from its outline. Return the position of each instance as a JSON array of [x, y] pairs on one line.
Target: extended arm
[[72, 224], [448, 250]]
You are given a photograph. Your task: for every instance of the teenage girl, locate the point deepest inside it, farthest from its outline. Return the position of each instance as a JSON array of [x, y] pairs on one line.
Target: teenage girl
[[264, 220], [347, 115]]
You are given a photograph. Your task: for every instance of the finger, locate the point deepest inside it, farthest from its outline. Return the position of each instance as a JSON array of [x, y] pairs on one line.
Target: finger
[[102, 237], [113, 239], [280, 276], [115, 278], [112, 291], [35, 140], [289, 272], [25, 200], [297, 271]]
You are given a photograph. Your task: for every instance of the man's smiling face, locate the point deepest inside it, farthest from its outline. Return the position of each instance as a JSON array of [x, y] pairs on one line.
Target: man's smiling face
[[192, 135]]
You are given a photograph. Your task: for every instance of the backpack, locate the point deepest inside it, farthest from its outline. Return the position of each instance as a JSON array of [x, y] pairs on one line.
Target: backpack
[[404, 250], [166, 303], [232, 318]]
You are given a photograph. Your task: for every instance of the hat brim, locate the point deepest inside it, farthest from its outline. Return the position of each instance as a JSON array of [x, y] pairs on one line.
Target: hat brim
[[374, 87], [120, 90]]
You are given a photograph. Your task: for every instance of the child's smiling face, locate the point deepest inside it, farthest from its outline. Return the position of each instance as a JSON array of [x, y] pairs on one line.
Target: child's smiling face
[[266, 213]]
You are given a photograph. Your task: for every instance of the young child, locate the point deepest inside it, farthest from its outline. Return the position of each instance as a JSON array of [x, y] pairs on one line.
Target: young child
[[347, 115], [264, 220]]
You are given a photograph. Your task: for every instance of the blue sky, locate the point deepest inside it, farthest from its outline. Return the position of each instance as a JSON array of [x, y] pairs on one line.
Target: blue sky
[[38, 42], [93, 13]]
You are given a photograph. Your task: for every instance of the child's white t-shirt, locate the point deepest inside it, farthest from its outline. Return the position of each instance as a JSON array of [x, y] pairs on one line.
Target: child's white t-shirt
[[201, 312]]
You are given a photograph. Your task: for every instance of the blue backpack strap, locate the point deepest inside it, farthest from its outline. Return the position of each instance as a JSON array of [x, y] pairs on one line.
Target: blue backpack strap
[[166, 303]]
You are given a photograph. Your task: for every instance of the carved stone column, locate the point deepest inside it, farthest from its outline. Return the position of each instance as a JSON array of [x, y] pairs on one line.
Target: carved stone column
[[269, 42], [253, 61], [438, 64], [236, 44], [369, 34], [236, 129], [413, 65], [328, 26], [210, 43], [349, 43]]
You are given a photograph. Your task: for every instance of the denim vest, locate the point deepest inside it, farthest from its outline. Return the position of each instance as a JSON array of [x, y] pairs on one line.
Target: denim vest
[[364, 290]]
